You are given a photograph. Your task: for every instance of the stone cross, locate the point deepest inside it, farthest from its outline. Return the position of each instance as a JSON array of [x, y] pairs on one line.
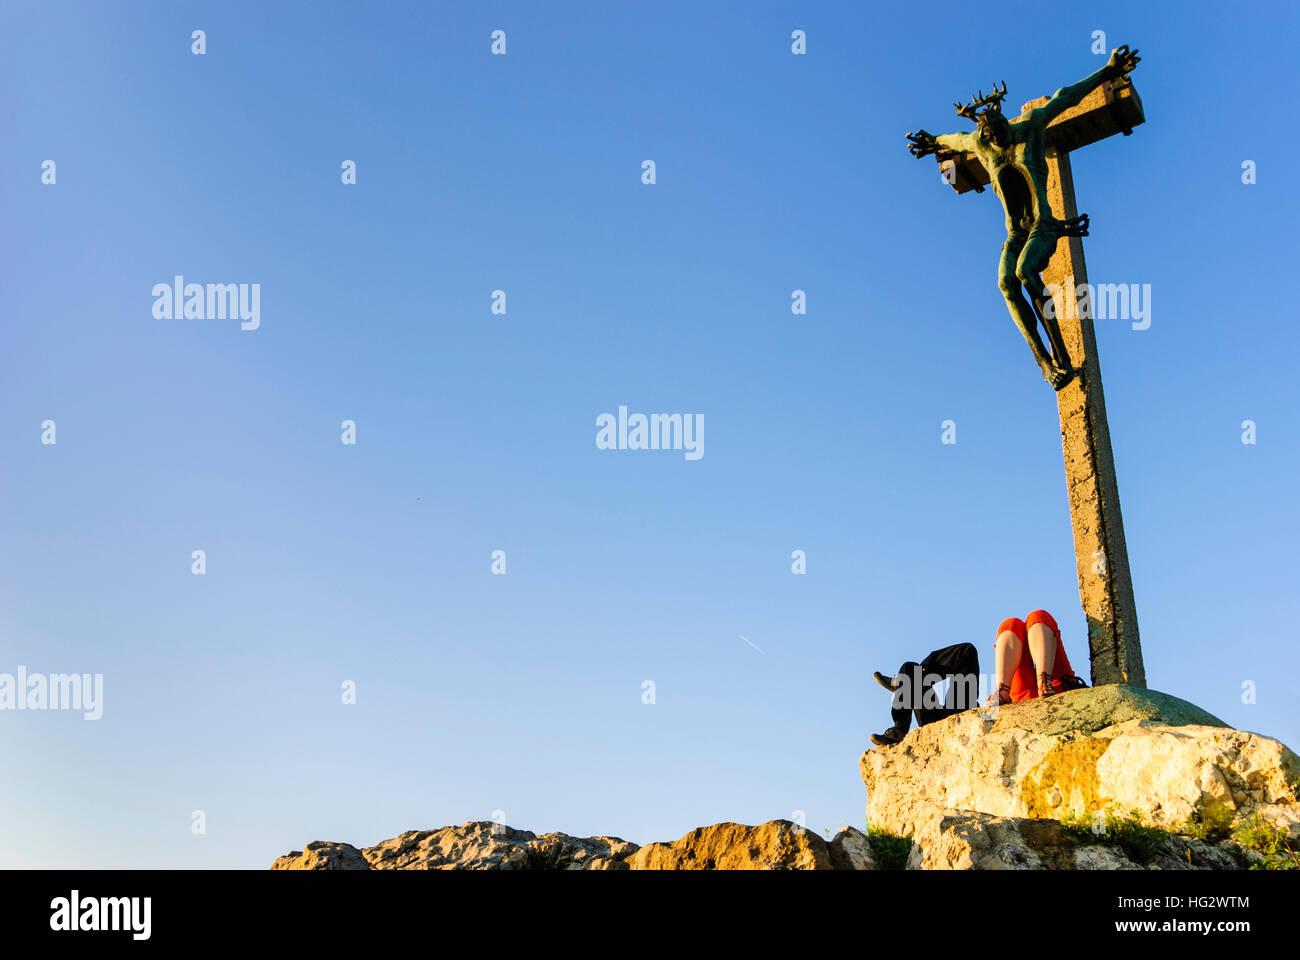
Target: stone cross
[[1101, 557]]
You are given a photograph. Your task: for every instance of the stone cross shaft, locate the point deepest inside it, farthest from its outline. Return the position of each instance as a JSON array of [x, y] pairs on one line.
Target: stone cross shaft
[[1101, 556]]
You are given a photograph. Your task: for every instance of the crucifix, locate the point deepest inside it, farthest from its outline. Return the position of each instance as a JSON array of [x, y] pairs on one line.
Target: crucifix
[[1027, 160]]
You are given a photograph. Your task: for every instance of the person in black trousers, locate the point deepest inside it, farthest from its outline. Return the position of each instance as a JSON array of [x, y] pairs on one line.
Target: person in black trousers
[[913, 689]]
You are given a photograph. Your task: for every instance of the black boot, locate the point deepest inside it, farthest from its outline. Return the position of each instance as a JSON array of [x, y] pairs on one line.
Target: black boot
[[889, 683], [887, 739]]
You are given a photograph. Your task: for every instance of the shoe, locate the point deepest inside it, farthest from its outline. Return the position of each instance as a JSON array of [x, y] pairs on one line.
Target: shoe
[[1000, 698], [888, 738], [889, 683]]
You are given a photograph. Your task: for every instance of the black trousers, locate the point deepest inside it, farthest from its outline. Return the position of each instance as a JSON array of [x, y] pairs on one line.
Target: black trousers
[[959, 663]]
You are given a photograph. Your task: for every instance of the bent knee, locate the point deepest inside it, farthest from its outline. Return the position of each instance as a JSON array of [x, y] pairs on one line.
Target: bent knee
[[1028, 277], [1013, 625], [1043, 617]]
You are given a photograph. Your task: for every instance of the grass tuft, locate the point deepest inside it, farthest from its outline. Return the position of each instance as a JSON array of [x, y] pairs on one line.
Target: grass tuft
[[1139, 841], [889, 850], [1273, 843]]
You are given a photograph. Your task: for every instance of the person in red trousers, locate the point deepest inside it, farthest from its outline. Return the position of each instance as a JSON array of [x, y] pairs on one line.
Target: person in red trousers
[[1030, 659]]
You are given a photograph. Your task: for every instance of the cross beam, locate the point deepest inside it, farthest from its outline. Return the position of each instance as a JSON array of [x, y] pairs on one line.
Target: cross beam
[[1101, 555], [1113, 107]]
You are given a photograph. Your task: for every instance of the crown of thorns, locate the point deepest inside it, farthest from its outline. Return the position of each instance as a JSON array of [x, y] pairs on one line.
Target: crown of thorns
[[994, 100]]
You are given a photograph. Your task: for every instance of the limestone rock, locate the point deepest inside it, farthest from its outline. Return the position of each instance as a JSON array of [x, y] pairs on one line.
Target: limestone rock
[[481, 845], [319, 855], [1077, 752], [559, 851], [982, 790], [484, 845], [775, 845], [850, 850], [963, 840]]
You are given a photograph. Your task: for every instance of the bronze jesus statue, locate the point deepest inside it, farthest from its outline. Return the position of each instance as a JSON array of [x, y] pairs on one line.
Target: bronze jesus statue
[[1014, 154]]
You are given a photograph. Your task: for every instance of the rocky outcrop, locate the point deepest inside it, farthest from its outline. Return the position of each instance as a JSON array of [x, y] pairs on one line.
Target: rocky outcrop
[[963, 840], [850, 850], [982, 790], [1080, 752], [777, 845], [986, 789], [481, 845], [322, 855]]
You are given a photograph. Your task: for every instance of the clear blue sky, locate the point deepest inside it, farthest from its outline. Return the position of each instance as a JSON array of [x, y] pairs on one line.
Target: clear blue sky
[[371, 563]]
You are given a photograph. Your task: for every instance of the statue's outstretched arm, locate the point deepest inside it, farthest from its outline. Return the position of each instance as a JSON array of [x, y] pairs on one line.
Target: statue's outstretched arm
[[1122, 61], [956, 142], [923, 144]]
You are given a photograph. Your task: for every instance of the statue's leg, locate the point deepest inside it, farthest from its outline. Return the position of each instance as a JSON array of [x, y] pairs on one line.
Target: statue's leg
[[1021, 312], [1033, 261]]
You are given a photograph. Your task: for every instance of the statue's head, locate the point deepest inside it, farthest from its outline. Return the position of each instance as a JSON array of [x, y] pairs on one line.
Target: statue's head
[[994, 127], [987, 114]]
